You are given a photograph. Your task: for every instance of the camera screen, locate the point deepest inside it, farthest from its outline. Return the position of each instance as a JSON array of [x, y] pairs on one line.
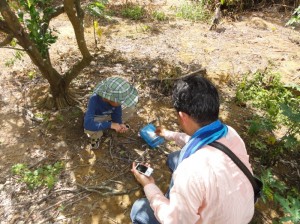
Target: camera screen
[[142, 168]]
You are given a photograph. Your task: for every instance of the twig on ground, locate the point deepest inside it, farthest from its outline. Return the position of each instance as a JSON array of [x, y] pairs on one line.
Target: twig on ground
[[30, 213], [79, 199], [110, 191], [51, 217], [68, 190], [37, 163], [111, 219], [110, 147], [121, 174], [128, 142], [117, 182], [297, 76], [142, 156], [74, 167], [62, 201], [283, 5], [131, 138], [123, 159], [14, 48]]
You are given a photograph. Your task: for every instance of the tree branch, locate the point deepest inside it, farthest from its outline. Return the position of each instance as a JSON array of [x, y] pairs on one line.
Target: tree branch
[[72, 8], [7, 40], [80, 12], [12, 23], [77, 24], [76, 69], [47, 17], [4, 27], [57, 11], [14, 48]]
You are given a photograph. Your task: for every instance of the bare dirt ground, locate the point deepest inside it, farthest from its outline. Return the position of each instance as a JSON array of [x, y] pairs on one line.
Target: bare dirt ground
[[96, 185]]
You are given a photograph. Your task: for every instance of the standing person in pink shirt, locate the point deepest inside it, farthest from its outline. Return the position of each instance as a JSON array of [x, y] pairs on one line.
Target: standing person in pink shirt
[[206, 185]]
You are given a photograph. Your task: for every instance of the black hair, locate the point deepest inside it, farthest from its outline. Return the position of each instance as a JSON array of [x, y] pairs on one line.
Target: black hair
[[197, 97]]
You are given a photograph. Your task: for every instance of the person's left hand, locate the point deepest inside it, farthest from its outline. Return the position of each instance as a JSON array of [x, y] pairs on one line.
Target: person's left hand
[[141, 178]]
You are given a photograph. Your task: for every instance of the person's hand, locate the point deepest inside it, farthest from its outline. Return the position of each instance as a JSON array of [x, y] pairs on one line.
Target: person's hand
[[160, 131], [141, 178], [124, 128], [117, 127]]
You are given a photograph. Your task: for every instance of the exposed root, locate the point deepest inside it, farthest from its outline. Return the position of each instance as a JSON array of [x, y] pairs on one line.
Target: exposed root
[[47, 102], [60, 102], [106, 190]]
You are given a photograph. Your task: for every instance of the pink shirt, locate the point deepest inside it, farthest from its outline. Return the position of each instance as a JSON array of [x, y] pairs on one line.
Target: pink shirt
[[208, 187]]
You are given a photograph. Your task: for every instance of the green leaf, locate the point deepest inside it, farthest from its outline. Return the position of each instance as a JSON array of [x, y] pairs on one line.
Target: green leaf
[[96, 8], [291, 207], [28, 3], [287, 111], [290, 141], [18, 168], [50, 180], [293, 86]]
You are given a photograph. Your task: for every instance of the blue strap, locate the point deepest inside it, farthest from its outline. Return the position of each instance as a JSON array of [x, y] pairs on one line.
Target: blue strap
[[203, 136]]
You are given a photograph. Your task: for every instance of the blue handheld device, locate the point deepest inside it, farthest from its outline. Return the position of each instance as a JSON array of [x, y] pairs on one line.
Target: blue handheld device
[[149, 135]]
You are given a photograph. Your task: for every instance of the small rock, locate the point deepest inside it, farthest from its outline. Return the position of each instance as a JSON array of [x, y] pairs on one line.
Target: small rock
[[154, 70]]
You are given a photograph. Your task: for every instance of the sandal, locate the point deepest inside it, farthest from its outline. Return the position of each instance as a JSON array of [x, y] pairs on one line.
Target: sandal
[[95, 143]]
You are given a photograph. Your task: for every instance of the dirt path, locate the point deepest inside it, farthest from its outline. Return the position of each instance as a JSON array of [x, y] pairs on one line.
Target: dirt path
[[242, 47], [237, 48]]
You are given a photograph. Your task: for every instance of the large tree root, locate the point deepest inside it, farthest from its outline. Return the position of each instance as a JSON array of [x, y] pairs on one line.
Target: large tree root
[[60, 102]]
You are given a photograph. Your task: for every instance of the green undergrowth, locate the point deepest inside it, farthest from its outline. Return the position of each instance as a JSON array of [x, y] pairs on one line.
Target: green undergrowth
[[46, 175], [273, 131]]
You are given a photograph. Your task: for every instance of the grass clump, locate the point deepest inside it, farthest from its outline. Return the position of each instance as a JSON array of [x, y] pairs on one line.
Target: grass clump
[[193, 12], [133, 12], [159, 16]]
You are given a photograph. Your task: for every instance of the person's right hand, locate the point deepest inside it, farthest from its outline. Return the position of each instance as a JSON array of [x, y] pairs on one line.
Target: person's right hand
[[160, 131], [141, 178], [116, 126], [124, 128]]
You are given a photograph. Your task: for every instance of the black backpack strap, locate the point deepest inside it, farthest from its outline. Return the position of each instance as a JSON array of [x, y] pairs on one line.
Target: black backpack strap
[[241, 165]]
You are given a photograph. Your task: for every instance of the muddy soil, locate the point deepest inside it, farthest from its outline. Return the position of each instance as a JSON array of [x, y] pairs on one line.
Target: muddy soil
[[96, 186]]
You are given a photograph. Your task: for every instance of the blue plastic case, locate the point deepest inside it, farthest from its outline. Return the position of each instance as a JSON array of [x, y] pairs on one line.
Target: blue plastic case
[[148, 134]]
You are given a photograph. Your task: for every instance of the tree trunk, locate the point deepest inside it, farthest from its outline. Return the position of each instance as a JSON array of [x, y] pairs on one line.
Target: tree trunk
[[76, 15], [60, 97]]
